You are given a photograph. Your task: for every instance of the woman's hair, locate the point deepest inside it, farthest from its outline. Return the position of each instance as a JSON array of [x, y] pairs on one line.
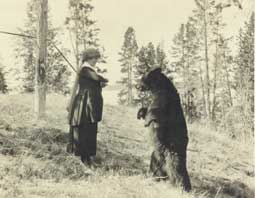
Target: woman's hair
[[90, 53]]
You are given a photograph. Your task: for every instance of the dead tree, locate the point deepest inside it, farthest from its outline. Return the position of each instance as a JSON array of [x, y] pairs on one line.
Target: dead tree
[[40, 67]]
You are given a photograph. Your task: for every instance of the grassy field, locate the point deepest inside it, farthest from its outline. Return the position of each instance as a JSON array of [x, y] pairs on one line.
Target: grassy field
[[34, 163]]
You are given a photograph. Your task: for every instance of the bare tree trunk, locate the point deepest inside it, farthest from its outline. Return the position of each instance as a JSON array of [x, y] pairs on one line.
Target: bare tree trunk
[[84, 33], [188, 80], [77, 47], [130, 94], [76, 42], [128, 84], [40, 67], [215, 75], [203, 88], [185, 100], [131, 86], [207, 79], [228, 81]]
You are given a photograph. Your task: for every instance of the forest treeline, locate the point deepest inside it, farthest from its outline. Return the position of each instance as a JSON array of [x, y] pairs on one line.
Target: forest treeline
[[215, 82], [82, 31], [214, 73]]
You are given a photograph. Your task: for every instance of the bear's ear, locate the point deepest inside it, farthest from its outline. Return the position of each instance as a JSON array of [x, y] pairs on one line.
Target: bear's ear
[[154, 73], [157, 70], [154, 70]]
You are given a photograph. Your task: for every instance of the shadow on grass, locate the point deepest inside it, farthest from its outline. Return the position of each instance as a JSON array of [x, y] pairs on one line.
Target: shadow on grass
[[50, 144], [116, 154], [221, 187], [123, 162]]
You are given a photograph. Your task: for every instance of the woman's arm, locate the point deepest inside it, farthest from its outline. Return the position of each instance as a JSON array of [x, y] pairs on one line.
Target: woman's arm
[[88, 73]]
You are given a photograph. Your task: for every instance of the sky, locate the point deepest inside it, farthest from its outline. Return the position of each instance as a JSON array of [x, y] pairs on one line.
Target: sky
[[153, 20]]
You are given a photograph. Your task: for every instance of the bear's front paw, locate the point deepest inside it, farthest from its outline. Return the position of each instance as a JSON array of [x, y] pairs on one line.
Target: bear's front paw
[[141, 113]]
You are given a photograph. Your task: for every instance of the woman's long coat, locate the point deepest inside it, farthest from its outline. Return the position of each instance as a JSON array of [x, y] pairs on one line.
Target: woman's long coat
[[88, 103], [86, 112]]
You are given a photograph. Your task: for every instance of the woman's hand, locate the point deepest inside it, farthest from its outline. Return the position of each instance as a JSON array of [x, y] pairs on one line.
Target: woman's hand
[[103, 84], [102, 79]]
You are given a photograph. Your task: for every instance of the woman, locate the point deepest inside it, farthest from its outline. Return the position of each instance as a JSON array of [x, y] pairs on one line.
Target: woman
[[86, 107]]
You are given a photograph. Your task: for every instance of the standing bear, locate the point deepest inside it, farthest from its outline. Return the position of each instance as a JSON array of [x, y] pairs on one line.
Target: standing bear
[[165, 119]]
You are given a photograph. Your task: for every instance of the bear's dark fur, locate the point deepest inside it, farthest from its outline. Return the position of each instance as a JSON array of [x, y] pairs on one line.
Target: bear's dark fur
[[165, 119]]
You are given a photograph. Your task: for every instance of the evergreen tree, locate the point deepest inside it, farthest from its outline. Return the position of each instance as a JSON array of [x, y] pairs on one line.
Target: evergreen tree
[[205, 16], [236, 104], [223, 99], [244, 73], [82, 29], [185, 65], [217, 41], [161, 61], [207, 19], [177, 52], [245, 64], [146, 60], [149, 57], [56, 70], [128, 61]]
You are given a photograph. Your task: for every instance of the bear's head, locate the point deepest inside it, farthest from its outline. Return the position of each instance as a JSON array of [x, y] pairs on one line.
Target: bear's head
[[155, 80]]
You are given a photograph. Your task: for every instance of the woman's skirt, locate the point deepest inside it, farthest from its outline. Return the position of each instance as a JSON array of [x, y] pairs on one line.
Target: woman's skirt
[[84, 139]]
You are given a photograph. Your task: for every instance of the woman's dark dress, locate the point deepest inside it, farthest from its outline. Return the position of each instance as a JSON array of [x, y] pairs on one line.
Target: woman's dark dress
[[86, 112]]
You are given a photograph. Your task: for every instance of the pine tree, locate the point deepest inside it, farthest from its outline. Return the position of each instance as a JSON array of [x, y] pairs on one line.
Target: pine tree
[[57, 72], [245, 68], [82, 29], [204, 17], [177, 52], [185, 65], [217, 41], [223, 99], [207, 18], [161, 61], [146, 60], [149, 57], [240, 114], [128, 60]]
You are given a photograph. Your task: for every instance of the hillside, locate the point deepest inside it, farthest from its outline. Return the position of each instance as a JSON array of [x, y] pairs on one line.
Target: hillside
[[34, 162]]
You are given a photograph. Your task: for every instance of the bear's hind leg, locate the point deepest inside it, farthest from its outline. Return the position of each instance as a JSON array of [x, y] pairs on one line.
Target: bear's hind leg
[[176, 170], [156, 167]]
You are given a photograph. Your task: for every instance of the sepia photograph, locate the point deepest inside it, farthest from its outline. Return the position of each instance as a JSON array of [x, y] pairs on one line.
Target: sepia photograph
[[127, 99]]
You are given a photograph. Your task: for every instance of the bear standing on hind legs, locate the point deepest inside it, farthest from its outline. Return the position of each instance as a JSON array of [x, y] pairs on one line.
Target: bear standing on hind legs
[[165, 119]]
